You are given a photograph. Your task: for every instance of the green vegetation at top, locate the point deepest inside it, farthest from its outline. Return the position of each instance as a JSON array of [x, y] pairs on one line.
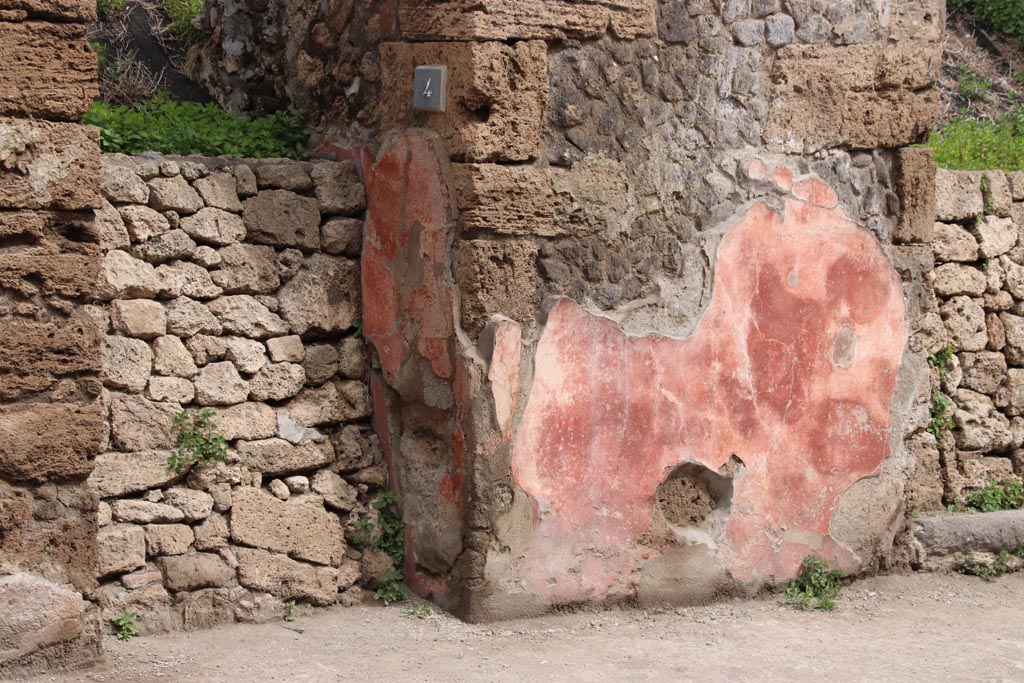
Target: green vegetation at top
[[817, 586], [1006, 16], [163, 125], [181, 14], [968, 144]]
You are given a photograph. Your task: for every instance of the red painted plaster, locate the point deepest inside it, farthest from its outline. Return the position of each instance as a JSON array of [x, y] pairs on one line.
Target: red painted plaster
[[610, 415]]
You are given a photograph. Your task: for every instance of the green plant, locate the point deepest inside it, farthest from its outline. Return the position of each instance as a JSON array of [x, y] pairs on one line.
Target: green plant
[[940, 360], [986, 192], [163, 125], [126, 626], [1006, 16], [181, 14], [420, 611], [973, 87], [967, 144], [817, 586], [940, 420], [198, 440], [387, 536], [289, 611], [1004, 563], [106, 8], [1004, 494]]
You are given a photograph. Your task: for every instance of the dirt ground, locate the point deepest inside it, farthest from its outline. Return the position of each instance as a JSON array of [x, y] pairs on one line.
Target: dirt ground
[[924, 627]]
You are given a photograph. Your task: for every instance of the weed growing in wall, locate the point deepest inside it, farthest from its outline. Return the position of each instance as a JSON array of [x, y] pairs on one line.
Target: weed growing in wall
[[1005, 494], [126, 626], [198, 441], [387, 536], [940, 421], [163, 125], [817, 586], [1004, 563]]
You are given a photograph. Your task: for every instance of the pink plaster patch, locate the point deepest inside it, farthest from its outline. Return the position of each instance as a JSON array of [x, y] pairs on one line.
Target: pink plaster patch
[[503, 373], [791, 369], [813, 191]]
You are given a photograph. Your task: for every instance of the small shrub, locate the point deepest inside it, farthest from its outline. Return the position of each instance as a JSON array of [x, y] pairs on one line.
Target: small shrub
[[391, 587], [388, 537], [163, 125], [108, 8], [290, 613], [940, 420], [421, 611], [126, 626], [816, 587], [181, 14], [1005, 563], [1006, 16], [198, 441], [973, 87], [1004, 494], [940, 360]]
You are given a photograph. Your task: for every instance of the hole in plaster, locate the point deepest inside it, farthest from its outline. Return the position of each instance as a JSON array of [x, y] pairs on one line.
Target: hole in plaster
[[691, 496], [481, 114]]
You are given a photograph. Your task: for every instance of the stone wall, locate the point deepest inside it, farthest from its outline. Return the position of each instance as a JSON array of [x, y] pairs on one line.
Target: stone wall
[[231, 285], [50, 413], [972, 307]]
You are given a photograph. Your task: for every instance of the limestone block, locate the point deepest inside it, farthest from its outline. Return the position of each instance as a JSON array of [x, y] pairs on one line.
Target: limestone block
[[915, 185], [952, 279], [1016, 181], [125, 363], [248, 355], [82, 11], [496, 96], [108, 227], [214, 226], [276, 382], [279, 489], [282, 219], [139, 318], [170, 357], [338, 494], [206, 256], [997, 194], [958, 195], [964, 319], [277, 457], [297, 484], [194, 505], [979, 426], [144, 512], [979, 472], [243, 315], [120, 184], [334, 402], [462, 20], [48, 165], [182, 278], [117, 474], [320, 363], [137, 424], [286, 349], [247, 269], [342, 237], [168, 539], [780, 30], [246, 180], [174, 194], [219, 191], [250, 421], [1014, 392], [352, 358], [212, 534], [953, 243], [170, 389], [323, 298], [338, 188], [287, 579], [284, 175], [995, 235], [300, 527], [219, 384], [194, 571], [173, 244], [186, 318], [143, 223], [49, 440], [926, 487], [1013, 326], [983, 372], [123, 276], [122, 548], [996, 332], [205, 348]]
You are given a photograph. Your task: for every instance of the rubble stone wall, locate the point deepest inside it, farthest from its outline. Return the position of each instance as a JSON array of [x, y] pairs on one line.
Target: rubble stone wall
[[231, 285], [972, 309], [50, 414]]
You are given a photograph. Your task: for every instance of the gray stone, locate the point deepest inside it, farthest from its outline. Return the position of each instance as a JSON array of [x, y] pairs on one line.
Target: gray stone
[[780, 30], [214, 226], [247, 269], [323, 298], [338, 188], [300, 527], [168, 539], [248, 421], [961, 534], [122, 548], [173, 244], [219, 384], [172, 389], [282, 219], [143, 512], [194, 571], [277, 457], [750, 32], [137, 424], [117, 474], [141, 318], [186, 318], [219, 191], [288, 430], [342, 237], [276, 382], [243, 315], [123, 276], [194, 505], [143, 223], [125, 363], [182, 278], [286, 349], [173, 194]]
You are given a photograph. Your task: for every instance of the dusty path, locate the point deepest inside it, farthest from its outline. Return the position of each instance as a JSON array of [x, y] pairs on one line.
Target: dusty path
[[902, 628]]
